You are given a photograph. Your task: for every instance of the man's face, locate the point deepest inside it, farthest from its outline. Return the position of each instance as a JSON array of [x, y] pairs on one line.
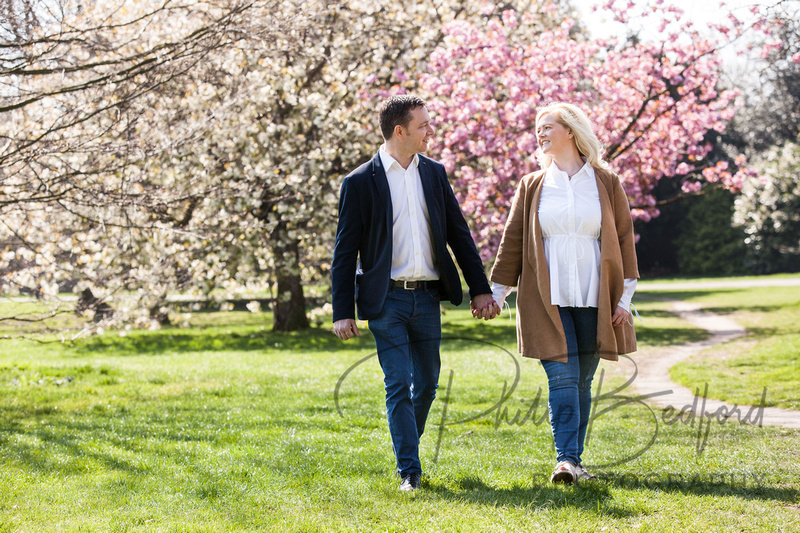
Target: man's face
[[419, 131]]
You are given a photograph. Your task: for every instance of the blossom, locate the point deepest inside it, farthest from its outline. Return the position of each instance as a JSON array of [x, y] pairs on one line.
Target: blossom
[[652, 105]]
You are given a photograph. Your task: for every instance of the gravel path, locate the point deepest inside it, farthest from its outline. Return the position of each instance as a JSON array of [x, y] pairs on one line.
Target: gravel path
[[653, 369]]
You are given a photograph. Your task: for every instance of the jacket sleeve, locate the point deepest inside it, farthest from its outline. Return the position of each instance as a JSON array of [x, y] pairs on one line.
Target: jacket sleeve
[[508, 264], [345, 253], [460, 240]]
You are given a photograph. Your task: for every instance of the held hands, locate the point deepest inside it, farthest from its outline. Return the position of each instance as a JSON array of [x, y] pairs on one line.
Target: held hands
[[346, 328], [619, 317], [483, 306]]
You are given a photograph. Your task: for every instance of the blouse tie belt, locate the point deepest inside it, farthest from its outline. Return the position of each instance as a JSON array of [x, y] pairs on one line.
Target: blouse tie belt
[[569, 240]]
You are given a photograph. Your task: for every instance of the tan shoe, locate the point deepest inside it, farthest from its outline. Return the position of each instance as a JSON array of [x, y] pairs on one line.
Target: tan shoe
[[564, 473]]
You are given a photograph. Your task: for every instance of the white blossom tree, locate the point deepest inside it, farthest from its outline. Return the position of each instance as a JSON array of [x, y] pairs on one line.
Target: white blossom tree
[[768, 209], [90, 96], [214, 173]]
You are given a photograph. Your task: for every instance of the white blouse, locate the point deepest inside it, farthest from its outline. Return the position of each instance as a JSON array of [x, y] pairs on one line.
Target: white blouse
[[570, 220]]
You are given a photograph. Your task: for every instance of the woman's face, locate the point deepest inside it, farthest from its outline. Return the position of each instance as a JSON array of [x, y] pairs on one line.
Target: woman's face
[[553, 138]]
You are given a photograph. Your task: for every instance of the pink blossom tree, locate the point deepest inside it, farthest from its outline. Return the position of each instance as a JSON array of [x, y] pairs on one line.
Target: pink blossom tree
[[655, 105]]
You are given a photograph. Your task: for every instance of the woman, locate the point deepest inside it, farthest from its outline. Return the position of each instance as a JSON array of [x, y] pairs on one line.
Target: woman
[[568, 246]]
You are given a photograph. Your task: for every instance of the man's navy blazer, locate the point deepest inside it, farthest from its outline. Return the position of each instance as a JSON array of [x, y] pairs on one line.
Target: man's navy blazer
[[365, 231]]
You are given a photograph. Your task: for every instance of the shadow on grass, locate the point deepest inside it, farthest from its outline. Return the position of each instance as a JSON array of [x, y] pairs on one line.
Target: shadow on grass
[[151, 443], [134, 440], [496, 334], [595, 497], [745, 302], [319, 340], [657, 296], [669, 336], [772, 333], [751, 486], [504, 332], [58, 447], [251, 337], [213, 340], [749, 308]]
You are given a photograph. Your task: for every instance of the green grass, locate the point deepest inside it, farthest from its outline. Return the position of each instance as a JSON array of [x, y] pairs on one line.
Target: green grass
[[35, 319], [642, 285], [769, 356], [657, 326], [227, 426]]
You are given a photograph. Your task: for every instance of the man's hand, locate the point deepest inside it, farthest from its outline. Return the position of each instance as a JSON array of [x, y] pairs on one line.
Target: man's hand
[[619, 317], [346, 328], [483, 306]]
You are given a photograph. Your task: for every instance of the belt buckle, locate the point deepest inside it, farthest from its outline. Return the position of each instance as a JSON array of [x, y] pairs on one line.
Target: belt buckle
[[406, 286]]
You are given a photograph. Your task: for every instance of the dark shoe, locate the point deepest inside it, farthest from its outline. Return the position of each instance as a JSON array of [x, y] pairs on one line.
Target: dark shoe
[[410, 482], [583, 474]]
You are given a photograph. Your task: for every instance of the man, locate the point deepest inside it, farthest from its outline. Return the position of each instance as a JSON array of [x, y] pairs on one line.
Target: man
[[397, 215]]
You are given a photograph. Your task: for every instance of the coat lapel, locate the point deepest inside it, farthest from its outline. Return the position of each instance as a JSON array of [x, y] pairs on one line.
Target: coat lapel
[[536, 256], [382, 185], [426, 175]]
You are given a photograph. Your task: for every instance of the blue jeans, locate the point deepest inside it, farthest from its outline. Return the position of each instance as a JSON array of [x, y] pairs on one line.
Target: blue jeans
[[570, 383], [408, 333]]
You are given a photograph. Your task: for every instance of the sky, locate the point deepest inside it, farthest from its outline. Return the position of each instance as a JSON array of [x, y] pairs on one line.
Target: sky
[[699, 11]]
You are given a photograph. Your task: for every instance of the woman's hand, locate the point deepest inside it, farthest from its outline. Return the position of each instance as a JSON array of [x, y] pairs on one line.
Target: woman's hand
[[483, 306], [619, 317]]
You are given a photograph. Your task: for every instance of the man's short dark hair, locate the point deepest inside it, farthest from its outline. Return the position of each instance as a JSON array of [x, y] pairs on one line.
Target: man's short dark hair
[[396, 111]]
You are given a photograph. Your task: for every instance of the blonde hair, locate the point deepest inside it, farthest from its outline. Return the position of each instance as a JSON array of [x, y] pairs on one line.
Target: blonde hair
[[575, 120]]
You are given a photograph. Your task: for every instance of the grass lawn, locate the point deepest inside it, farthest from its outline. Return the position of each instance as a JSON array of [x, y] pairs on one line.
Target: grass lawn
[[227, 426], [643, 284], [768, 356]]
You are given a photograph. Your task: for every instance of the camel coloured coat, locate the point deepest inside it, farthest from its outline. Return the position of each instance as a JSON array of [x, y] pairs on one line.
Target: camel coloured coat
[[521, 262]]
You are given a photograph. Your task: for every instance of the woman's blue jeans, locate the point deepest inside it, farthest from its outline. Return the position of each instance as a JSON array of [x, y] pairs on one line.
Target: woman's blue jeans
[[571, 382], [407, 334]]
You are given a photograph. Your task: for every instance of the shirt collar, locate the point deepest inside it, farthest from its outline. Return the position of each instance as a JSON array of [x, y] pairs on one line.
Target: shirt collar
[[387, 161], [554, 171]]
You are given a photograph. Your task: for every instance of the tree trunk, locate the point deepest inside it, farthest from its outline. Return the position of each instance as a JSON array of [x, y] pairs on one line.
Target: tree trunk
[[290, 303]]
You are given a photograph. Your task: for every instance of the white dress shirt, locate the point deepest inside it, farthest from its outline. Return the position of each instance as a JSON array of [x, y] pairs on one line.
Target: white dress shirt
[[570, 219], [413, 255]]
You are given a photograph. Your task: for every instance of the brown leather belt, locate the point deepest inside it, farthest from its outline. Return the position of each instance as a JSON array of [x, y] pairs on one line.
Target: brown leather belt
[[413, 285]]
